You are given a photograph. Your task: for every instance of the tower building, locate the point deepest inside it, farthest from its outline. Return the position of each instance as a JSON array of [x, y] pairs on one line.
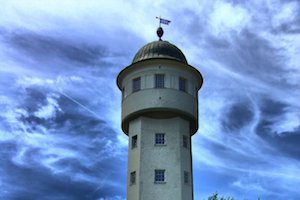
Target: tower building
[[159, 115]]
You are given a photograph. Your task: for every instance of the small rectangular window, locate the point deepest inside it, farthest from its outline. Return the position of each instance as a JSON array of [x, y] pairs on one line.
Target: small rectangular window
[[134, 142], [159, 81], [182, 84], [159, 176], [132, 178], [186, 178], [159, 138], [136, 84], [185, 141]]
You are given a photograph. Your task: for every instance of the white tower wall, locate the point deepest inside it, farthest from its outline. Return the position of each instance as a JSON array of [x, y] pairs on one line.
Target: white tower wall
[[171, 157], [163, 101]]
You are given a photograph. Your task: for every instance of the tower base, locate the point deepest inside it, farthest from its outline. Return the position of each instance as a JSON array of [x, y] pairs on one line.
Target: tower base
[[159, 167]]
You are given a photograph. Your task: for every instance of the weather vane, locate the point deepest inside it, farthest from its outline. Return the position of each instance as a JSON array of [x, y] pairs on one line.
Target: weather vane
[[163, 21], [160, 31]]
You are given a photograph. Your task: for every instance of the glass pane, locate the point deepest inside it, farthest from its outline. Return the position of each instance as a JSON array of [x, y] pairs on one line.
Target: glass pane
[[159, 81], [136, 84], [159, 175], [184, 138], [134, 141], [182, 84], [159, 139], [186, 177]]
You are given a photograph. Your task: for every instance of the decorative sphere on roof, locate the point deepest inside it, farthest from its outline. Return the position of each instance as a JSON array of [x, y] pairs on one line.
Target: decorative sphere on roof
[[159, 49], [160, 32]]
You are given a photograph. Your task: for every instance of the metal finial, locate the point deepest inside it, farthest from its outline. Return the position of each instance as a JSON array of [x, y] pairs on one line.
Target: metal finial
[[160, 32]]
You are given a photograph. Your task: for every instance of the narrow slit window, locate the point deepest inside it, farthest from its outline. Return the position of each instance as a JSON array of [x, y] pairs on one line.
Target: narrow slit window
[[134, 142], [123, 92], [136, 84], [132, 178], [159, 81], [186, 178], [182, 84], [185, 141]]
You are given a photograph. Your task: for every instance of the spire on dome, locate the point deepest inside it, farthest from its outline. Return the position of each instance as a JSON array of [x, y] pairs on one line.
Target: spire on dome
[[160, 31]]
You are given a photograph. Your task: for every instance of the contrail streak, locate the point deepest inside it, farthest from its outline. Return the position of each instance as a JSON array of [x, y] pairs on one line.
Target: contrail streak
[[79, 104]]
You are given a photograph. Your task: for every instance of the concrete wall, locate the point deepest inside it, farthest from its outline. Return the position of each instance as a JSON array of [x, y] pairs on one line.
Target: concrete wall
[[171, 157], [160, 99], [172, 70], [167, 99], [160, 110], [134, 159]]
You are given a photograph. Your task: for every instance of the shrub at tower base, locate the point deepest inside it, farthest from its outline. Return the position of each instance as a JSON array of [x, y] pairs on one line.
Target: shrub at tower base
[[215, 197]]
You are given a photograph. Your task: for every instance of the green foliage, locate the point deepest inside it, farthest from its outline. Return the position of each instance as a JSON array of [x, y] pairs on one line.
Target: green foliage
[[215, 197]]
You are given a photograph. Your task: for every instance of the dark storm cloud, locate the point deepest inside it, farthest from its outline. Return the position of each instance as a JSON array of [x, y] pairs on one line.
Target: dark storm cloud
[[69, 182], [60, 131], [33, 183], [288, 145], [42, 47], [78, 119], [244, 51], [221, 182], [216, 42], [197, 25], [238, 116], [35, 98], [290, 26], [64, 152], [269, 109], [286, 142], [252, 56]]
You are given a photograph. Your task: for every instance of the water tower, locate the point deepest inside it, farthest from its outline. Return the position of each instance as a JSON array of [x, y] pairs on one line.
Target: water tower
[[159, 115]]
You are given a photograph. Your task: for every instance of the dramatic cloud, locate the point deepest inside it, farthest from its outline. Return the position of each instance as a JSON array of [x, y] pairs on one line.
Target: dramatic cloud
[[60, 107]]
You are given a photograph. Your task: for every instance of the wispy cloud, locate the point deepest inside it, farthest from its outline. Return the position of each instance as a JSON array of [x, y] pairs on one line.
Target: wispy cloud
[[61, 108]]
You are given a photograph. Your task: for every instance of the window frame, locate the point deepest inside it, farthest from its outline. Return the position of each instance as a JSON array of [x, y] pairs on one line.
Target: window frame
[[134, 141], [158, 139], [158, 82], [134, 85], [185, 84], [133, 178], [157, 176], [186, 179], [185, 141]]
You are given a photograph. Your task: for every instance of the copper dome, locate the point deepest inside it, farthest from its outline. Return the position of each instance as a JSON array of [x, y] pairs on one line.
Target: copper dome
[[159, 49]]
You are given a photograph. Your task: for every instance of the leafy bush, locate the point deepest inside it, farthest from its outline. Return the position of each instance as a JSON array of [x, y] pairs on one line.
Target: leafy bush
[[215, 197]]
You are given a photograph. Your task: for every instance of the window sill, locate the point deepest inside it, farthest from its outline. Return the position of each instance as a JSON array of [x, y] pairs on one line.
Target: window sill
[[160, 182], [160, 145]]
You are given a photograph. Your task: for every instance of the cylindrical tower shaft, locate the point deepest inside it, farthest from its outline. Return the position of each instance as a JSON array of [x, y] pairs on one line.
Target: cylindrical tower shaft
[[163, 145]]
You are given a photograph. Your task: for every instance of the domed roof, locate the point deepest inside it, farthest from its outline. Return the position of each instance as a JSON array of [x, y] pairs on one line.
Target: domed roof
[[159, 49]]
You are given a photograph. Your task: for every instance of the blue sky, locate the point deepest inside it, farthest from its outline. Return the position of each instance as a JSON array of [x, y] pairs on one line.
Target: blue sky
[[60, 106]]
